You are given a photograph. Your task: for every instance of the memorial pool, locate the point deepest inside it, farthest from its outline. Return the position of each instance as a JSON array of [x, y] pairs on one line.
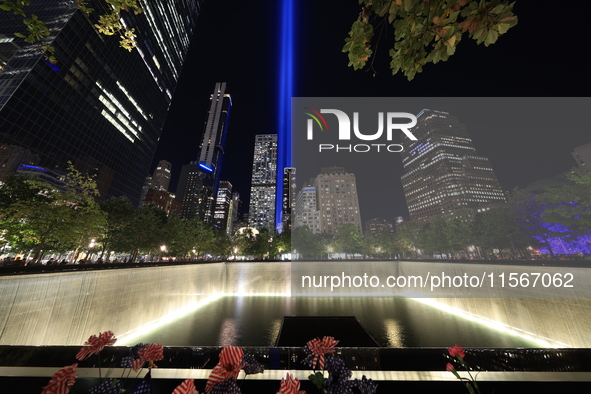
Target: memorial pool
[[393, 322]]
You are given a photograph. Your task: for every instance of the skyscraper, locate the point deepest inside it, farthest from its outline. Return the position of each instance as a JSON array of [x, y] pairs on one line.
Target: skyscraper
[[442, 171], [223, 206], [306, 210], [189, 190], [162, 174], [199, 180], [164, 200], [378, 226], [264, 182], [337, 200], [100, 107], [289, 185]]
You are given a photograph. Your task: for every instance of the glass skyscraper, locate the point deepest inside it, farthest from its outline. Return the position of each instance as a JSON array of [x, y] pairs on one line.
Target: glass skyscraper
[[263, 188], [199, 181], [100, 106], [442, 171]]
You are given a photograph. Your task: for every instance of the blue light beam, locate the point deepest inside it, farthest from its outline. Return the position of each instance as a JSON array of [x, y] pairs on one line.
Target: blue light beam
[[286, 70]]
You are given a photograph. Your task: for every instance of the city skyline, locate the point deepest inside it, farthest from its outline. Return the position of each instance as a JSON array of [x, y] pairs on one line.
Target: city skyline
[[514, 66], [488, 121], [505, 67]]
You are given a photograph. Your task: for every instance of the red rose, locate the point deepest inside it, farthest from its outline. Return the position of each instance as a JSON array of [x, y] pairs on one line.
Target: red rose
[[449, 367]]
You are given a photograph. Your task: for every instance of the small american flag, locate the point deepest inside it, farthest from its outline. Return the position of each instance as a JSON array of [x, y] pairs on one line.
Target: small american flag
[[290, 385], [95, 344], [318, 348], [61, 381], [110, 386], [228, 367], [187, 387], [145, 386]]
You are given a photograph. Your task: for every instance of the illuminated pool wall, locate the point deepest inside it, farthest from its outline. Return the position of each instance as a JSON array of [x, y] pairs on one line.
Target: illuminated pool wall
[[66, 308]]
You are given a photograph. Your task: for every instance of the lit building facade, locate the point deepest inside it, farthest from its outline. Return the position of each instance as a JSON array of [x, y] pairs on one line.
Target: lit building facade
[[378, 226], [337, 200], [289, 185], [264, 182], [100, 107], [162, 175], [306, 210], [164, 200], [190, 190], [443, 172], [145, 188], [234, 213], [212, 147], [223, 206]]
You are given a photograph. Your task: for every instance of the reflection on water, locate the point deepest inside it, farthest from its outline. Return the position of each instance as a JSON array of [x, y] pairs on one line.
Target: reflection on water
[[393, 322], [393, 333]]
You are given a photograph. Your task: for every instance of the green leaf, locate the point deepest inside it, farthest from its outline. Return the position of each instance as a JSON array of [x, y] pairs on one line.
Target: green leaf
[[408, 5], [491, 37], [317, 379], [498, 9]]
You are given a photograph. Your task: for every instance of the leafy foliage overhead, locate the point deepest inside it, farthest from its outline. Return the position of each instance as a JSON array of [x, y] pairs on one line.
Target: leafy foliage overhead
[[425, 31], [37, 32]]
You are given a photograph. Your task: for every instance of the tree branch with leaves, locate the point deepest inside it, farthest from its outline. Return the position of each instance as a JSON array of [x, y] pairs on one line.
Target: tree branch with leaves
[[425, 31], [36, 31]]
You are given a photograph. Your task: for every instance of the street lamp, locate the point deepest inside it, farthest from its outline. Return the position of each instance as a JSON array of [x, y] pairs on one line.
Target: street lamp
[[90, 246]]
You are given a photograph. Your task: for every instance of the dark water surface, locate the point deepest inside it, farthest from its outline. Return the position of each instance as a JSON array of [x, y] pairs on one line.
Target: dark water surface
[[393, 322]]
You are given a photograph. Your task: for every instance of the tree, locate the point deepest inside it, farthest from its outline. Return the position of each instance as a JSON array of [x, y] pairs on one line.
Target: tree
[[260, 244], [59, 219], [425, 31], [305, 243], [282, 243], [202, 235], [109, 23], [142, 232], [500, 228], [459, 230], [570, 205], [241, 241], [387, 243], [119, 211], [409, 238], [349, 240], [221, 245], [530, 209]]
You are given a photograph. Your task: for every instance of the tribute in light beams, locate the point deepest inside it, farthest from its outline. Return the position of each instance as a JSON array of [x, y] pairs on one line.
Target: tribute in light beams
[[285, 94]]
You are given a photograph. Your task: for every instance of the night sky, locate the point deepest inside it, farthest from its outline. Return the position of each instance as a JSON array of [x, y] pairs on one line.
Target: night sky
[[236, 42]]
